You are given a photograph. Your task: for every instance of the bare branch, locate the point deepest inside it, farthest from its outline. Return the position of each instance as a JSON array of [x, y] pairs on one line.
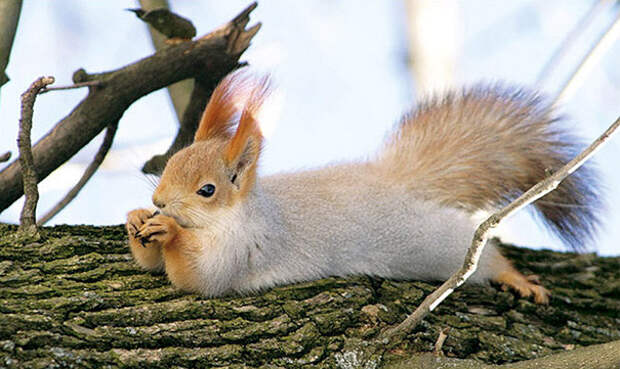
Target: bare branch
[[596, 8], [587, 63], [70, 87], [443, 334], [482, 234], [205, 57], [179, 92], [88, 173], [185, 135], [9, 17], [26, 161]]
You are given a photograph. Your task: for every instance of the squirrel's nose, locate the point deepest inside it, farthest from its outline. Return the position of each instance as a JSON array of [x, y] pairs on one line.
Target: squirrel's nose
[[158, 202]]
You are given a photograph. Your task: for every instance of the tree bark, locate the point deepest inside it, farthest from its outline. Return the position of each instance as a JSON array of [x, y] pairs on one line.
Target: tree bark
[[76, 298], [209, 58]]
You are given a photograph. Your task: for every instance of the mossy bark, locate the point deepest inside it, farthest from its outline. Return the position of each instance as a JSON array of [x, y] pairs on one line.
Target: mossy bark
[[75, 298]]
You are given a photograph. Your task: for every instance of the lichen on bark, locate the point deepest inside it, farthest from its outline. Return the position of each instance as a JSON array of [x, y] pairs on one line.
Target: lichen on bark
[[75, 298]]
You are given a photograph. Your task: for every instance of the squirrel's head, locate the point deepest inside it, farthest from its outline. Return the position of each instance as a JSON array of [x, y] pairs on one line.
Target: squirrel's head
[[219, 169]]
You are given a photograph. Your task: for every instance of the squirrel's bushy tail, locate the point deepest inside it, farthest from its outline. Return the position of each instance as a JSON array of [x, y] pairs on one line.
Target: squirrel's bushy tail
[[482, 148]]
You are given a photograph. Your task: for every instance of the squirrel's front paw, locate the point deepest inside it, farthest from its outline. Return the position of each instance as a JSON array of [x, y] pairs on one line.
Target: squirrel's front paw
[[157, 230], [135, 220]]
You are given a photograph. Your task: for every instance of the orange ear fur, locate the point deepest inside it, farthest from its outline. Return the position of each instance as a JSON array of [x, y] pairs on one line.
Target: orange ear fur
[[248, 125], [242, 152], [223, 107]]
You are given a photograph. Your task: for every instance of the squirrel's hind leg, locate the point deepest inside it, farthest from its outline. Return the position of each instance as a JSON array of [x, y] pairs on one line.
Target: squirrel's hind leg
[[525, 286]]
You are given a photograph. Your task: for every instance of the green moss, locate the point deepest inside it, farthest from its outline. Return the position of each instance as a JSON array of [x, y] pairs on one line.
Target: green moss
[[336, 322], [500, 348], [240, 330], [10, 324], [488, 323], [75, 298], [460, 342]]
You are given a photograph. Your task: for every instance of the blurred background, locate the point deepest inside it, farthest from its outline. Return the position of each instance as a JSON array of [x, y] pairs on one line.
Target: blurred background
[[346, 71]]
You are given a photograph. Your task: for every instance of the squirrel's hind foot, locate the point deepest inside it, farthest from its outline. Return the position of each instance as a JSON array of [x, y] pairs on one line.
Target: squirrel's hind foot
[[525, 286]]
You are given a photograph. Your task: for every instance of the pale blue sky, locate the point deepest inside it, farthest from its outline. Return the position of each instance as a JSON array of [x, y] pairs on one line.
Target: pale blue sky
[[340, 65]]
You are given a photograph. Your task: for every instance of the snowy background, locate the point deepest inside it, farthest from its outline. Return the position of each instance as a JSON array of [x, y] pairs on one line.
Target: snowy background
[[341, 67]]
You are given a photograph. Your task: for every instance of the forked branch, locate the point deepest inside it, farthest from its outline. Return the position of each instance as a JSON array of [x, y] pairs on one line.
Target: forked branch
[[210, 58]]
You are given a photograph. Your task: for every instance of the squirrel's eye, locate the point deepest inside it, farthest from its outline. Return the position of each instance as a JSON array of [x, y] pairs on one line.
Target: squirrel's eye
[[207, 190]]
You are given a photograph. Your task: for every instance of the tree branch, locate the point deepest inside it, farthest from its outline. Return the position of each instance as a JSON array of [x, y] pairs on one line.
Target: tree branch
[[28, 215], [183, 96], [179, 92], [214, 54], [88, 173], [70, 87], [77, 299], [9, 17], [603, 356], [596, 8], [203, 86], [576, 78], [482, 234]]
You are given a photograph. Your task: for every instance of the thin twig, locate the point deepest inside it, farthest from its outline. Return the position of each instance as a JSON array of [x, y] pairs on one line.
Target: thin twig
[[443, 334], [596, 8], [5, 157], [589, 60], [69, 87], [482, 234], [29, 175], [88, 173]]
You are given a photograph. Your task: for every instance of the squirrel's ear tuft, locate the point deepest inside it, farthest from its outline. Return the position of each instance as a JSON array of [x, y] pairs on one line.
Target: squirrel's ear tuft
[[224, 106], [242, 152]]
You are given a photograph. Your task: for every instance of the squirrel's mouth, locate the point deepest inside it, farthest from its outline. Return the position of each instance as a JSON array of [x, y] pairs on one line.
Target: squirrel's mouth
[[180, 221]]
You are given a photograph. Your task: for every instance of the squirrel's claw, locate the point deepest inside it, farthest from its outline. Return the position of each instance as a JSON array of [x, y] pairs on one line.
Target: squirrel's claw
[[135, 222], [524, 286], [157, 229]]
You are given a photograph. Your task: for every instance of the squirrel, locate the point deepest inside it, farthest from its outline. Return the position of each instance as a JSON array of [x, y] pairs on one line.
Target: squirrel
[[407, 213]]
